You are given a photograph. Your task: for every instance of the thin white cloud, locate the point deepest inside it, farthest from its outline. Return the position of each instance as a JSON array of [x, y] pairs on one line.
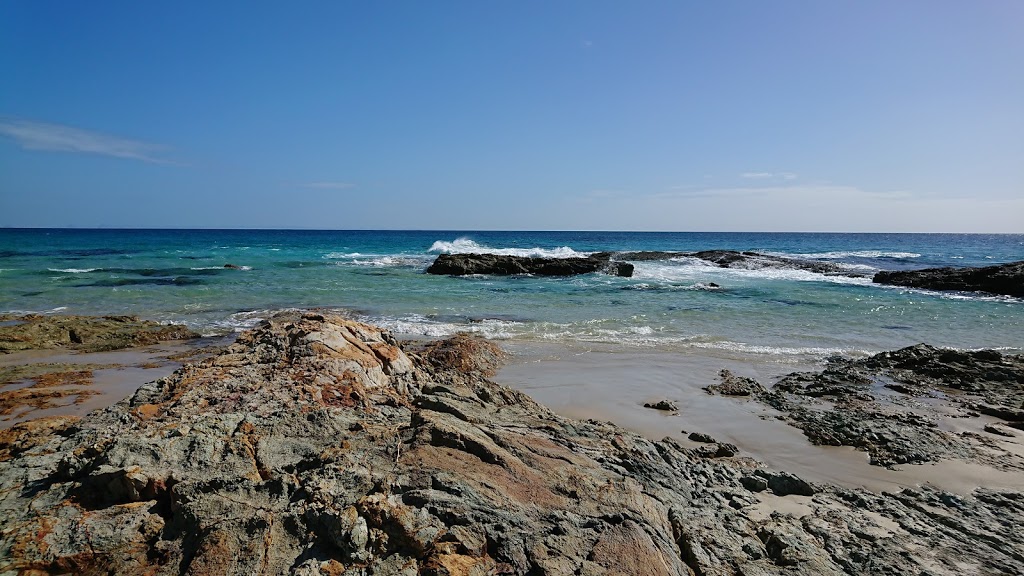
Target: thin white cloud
[[768, 176], [323, 185], [788, 207], [781, 191], [59, 138]]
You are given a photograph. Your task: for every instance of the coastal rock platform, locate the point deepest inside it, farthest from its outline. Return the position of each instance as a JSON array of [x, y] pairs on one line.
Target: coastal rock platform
[[320, 445], [84, 333], [1004, 279]]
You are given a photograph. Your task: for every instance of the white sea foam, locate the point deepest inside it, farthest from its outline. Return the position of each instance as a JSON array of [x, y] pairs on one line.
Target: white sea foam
[[73, 270], [776, 350], [690, 270], [385, 261], [975, 296], [420, 325], [467, 246], [853, 254], [340, 255], [240, 321]]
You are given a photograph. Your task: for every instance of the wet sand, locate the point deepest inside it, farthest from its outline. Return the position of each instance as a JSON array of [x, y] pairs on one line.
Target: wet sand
[[128, 369], [611, 383]]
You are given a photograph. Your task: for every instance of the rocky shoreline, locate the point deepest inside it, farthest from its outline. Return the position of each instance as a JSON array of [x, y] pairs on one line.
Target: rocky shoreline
[[1004, 279], [617, 263], [319, 445]]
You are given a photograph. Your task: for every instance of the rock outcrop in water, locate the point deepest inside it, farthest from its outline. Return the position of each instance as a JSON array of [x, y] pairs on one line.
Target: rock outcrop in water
[[757, 261], [1005, 279], [318, 445], [463, 264], [84, 333]]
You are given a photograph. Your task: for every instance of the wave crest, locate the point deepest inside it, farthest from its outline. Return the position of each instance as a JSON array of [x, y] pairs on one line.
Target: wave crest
[[468, 246]]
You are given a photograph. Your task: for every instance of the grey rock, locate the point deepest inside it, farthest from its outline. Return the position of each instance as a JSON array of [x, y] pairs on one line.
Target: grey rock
[[754, 483], [665, 405], [701, 437], [1005, 279], [784, 483], [733, 385]]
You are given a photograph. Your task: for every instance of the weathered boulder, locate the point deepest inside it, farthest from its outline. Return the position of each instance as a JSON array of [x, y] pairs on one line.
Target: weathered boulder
[[319, 445], [463, 264], [1005, 279]]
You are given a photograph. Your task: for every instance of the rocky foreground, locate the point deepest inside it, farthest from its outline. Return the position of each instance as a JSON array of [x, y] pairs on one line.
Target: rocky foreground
[[1004, 279], [318, 445]]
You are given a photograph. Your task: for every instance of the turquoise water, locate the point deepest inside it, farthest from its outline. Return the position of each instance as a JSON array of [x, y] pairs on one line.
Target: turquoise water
[[179, 276]]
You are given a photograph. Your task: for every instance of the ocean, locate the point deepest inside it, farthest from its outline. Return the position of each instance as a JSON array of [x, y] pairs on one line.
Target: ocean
[[378, 276]]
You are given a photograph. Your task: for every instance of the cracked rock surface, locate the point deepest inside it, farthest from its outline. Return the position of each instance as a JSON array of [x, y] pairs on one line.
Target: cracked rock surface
[[319, 445]]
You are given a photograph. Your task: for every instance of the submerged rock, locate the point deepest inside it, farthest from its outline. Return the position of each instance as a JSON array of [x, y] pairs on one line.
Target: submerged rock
[[319, 445], [463, 264], [1005, 279]]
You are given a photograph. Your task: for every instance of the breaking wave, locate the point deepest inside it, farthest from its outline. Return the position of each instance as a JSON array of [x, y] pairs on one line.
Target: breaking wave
[[467, 246]]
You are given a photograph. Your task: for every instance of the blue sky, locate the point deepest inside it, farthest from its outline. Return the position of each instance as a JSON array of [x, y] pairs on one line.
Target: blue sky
[[759, 116]]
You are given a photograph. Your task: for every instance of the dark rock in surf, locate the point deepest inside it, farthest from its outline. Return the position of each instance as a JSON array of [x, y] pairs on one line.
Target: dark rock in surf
[[758, 261], [1004, 279], [501, 265]]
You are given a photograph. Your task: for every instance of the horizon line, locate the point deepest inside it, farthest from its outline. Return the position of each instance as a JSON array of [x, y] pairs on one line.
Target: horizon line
[[469, 230]]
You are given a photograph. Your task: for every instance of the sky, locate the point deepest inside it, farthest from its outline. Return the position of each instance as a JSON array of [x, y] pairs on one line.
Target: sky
[[790, 115]]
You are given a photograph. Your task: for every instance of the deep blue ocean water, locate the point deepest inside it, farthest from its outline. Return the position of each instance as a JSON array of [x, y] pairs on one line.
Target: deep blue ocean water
[[179, 276]]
